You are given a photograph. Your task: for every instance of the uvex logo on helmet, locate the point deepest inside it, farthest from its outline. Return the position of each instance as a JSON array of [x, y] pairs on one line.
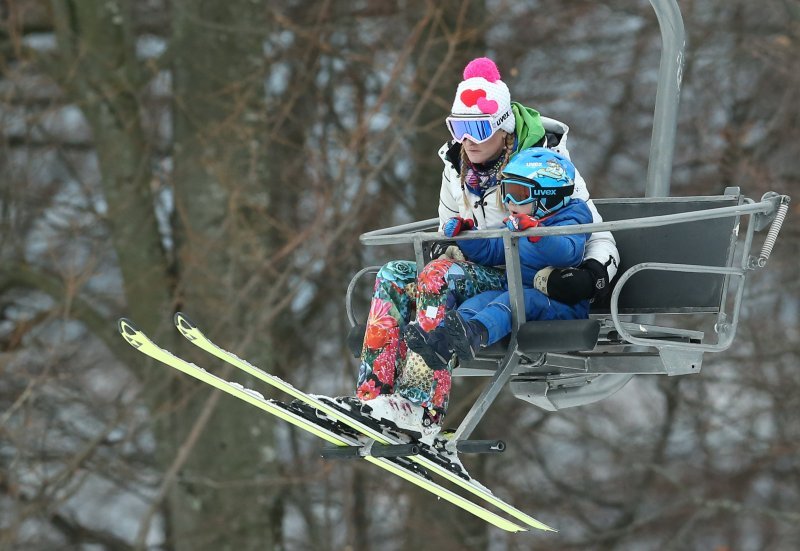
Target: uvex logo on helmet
[[543, 192]]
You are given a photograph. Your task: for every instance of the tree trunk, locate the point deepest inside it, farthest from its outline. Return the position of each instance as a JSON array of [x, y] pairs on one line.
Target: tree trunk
[[219, 160], [97, 68]]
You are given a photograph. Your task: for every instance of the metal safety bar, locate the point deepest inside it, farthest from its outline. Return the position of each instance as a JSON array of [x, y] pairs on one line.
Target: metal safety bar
[[396, 235], [511, 359], [351, 316]]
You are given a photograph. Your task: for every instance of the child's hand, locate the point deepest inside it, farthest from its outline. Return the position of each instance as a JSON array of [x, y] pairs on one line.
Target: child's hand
[[456, 225], [522, 222]]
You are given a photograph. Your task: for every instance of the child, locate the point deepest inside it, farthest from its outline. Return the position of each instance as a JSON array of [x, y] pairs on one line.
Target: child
[[536, 186]]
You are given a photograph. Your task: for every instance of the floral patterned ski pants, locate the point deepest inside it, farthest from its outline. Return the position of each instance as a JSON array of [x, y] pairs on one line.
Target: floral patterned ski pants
[[387, 366]]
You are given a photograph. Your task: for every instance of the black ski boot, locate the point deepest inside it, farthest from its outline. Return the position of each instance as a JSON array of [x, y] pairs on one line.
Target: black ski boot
[[432, 346], [464, 337]]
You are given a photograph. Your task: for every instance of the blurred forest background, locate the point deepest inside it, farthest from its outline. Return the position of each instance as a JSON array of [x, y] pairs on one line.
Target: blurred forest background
[[222, 158]]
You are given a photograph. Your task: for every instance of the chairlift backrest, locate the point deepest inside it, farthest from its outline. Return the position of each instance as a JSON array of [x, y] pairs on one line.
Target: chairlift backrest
[[707, 242]]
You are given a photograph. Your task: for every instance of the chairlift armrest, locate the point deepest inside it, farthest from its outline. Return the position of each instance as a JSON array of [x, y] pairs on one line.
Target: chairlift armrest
[[726, 331], [646, 330]]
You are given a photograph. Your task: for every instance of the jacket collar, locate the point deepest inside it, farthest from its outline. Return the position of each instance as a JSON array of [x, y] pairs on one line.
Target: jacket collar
[[452, 154]]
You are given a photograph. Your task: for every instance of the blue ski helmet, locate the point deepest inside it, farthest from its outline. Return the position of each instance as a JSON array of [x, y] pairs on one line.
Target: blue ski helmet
[[540, 176]]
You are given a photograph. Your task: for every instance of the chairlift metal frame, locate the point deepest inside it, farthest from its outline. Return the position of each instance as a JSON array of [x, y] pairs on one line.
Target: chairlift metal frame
[[676, 349]]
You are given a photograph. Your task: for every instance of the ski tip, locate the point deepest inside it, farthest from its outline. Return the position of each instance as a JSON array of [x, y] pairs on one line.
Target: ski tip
[[183, 322], [126, 326], [539, 525]]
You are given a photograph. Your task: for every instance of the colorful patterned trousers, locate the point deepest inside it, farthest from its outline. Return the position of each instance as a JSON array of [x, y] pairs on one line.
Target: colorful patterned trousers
[[387, 366]]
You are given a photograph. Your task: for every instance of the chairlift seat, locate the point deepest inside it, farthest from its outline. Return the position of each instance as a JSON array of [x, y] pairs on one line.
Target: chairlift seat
[[709, 242], [704, 242], [565, 363]]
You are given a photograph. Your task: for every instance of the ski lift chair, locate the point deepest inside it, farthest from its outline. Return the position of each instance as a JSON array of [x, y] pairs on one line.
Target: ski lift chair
[[678, 258]]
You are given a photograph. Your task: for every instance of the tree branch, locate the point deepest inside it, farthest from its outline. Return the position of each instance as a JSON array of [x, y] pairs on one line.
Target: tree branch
[[27, 277]]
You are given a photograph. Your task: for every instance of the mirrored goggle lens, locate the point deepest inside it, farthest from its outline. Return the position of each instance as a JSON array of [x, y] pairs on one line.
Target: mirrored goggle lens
[[479, 130], [516, 192]]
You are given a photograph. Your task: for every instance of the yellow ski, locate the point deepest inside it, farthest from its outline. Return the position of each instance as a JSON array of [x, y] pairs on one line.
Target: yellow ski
[[196, 337], [142, 343]]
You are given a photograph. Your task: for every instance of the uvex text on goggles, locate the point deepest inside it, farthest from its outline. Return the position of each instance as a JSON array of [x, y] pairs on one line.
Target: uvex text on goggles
[[478, 128], [522, 191]]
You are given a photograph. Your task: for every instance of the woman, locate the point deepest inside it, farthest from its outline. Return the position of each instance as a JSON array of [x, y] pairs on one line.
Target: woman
[[394, 383]]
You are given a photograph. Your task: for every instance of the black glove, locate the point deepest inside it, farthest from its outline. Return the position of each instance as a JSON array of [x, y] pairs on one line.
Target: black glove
[[572, 285], [439, 247], [355, 339], [445, 249]]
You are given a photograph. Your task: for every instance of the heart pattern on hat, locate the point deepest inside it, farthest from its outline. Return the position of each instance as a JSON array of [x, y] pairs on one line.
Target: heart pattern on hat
[[488, 106], [483, 94], [471, 97]]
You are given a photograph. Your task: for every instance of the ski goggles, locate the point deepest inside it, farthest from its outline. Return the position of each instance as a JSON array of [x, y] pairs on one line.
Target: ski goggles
[[522, 191], [478, 128]]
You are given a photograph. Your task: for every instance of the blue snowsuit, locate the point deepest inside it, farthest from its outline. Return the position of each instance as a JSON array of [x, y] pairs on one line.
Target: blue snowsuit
[[493, 308]]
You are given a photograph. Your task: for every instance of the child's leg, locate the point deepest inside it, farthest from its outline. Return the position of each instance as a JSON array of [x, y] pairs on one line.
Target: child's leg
[[554, 310], [383, 354], [472, 306], [496, 316]]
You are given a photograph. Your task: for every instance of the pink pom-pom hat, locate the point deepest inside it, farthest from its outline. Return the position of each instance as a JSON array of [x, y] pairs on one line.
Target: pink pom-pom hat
[[482, 67], [483, 93]]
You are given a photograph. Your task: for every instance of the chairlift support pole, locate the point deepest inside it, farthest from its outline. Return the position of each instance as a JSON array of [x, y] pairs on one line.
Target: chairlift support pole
[[665, 117]]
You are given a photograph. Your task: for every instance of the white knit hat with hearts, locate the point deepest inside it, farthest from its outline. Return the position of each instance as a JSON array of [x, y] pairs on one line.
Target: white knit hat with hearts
[[483, 93]]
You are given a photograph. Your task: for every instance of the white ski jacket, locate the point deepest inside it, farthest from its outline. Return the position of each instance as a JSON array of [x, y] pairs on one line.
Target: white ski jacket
[[487, 214]]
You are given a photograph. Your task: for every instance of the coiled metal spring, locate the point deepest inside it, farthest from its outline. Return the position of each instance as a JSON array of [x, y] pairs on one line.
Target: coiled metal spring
[[772, 235]]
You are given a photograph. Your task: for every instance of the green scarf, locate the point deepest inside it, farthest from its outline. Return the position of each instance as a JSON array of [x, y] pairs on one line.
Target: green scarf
[[529, 130]]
